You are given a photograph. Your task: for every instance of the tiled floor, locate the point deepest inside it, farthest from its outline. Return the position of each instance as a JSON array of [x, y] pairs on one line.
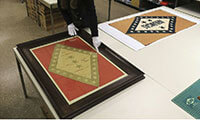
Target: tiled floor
[[16, 27]]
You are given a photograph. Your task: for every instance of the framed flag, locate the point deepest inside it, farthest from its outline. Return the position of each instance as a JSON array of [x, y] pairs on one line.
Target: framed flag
[[73, 75]]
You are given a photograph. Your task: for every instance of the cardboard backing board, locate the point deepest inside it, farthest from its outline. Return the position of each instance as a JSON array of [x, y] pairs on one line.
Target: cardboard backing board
[[34, 53], [150, 31], [148, 38]]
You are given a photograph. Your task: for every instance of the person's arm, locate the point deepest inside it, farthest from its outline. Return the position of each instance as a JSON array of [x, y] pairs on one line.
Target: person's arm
[[63, 6], [91, 17]]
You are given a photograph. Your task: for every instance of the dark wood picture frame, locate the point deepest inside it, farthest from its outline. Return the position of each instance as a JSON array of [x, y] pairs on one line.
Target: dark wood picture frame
[[63, 109]]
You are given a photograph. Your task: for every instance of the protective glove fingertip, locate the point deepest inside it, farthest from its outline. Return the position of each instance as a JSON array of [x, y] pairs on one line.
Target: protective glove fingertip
[[97, 49], [76, 28], [75, 33]]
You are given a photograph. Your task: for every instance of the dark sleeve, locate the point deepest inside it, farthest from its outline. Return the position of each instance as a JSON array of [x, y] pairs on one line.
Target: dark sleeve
[[63, 6], [91, 16]]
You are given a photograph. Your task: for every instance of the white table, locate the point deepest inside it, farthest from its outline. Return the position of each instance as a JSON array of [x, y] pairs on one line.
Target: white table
[[145, 99], [170, 66]]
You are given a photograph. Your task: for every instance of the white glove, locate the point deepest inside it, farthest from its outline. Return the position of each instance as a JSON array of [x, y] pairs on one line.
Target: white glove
[[96, 42], [72, 29]]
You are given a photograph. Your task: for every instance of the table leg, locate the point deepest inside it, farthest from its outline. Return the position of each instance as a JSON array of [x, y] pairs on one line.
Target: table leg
[[22, 78], [26, 8], [109, 8], [52, 20]]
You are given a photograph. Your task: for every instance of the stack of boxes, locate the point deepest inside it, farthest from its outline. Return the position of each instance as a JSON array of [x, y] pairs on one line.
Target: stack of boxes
[[132, 3], [31, 6], [41, 14], [45, 18]]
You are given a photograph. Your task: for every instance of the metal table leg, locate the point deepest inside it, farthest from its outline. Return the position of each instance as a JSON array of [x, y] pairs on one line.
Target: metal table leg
[[52, 20], [22, 78], [109, 8], [26, 8]]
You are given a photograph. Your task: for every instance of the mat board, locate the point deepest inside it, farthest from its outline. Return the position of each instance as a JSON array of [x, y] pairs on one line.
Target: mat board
[[84, 101], [119, 28]]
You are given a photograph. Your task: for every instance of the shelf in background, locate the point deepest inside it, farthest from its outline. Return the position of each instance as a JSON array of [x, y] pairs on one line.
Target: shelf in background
[[192, 9], [140, 5]]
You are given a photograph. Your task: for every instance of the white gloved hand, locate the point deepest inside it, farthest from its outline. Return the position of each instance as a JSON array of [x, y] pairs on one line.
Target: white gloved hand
[[72, 29], [96, 42]]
